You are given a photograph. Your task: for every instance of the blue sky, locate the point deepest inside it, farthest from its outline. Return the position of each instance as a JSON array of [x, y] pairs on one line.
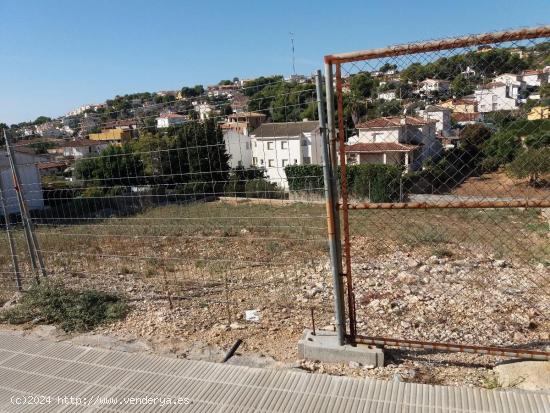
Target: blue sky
[[58, 54]]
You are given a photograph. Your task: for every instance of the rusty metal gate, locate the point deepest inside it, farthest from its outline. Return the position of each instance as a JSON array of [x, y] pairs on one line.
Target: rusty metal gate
[[443, 150]]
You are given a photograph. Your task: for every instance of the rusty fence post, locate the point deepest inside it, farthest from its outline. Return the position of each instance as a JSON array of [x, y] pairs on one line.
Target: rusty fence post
[[328, 178]]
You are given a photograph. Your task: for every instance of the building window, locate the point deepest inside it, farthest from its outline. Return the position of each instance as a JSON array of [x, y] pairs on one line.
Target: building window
[[284, 162], [304, 142], [295, 161], [271, 145], [307, 160], [271, 163], [261, 161], [254, 161], [284, 145]]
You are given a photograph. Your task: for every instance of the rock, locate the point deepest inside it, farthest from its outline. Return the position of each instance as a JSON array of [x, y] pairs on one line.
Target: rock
[[354, 365], [424, 268], [397, 377], [244, 231], [220, 327], [236, 326], [13, 301], [407, 278], [526, 375], [313, 292], [500, 264]]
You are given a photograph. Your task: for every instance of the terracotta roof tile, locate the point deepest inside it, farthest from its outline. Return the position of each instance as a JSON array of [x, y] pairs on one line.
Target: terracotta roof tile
[[268, 130], [394, 121], [466, 117], [380, 147]]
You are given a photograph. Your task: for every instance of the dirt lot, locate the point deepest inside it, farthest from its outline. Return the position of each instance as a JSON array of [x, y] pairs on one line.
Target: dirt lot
[[498, 184], [190, 272]]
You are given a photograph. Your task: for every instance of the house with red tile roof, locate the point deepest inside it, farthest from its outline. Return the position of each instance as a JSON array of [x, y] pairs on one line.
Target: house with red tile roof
[[405, 140]]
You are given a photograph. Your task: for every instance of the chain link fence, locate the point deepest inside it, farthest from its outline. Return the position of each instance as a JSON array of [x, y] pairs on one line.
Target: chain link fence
[[183, 207], [445, 161]]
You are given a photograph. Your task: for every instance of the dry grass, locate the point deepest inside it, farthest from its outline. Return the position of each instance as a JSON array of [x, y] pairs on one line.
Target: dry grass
[[189, 248]]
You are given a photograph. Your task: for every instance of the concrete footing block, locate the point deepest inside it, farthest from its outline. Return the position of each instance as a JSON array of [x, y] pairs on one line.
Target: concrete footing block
[[324, 347]]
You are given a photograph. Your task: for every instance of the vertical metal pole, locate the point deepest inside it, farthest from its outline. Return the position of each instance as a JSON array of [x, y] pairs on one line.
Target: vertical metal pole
[[328, 176], [329, 85], [13, 251], [34, 251], [333, 137], [345, 205]]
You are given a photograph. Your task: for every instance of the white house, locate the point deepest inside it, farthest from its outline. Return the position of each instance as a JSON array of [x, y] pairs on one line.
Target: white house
[[83, 147], [464, 119], [496, 96], [205, 110], [407, 141], [170, 119], [49, 130], [431, 86], [239, 147], [277, 145], [511, 79], [236, 136], [441, 115], [534, 78], [387, 95], [27, 166]]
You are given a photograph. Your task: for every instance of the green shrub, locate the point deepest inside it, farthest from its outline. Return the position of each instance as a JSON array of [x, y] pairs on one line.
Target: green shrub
[[93, 192], [261, 188], [490, 164], [502, 146], [305, 177], [50, 302], [378, 183], [532, 164]]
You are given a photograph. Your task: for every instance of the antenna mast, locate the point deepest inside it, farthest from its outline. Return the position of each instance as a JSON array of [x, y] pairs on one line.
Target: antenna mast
[[293, 60]]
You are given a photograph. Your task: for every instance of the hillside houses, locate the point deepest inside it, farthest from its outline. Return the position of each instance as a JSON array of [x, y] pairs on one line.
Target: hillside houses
[[433, 86], [277, 145], [407, 141], [460, 105], [442, 117], [388, 95], [496, 96], [534, 78], [171, 119], [82, 147], [236, 134]]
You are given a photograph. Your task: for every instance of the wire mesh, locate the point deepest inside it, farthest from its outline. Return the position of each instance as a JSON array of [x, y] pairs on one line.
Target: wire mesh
[[184, 208], [447, 159]]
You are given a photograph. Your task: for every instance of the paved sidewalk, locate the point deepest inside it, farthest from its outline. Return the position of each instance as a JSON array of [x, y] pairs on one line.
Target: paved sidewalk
[[39, 371]]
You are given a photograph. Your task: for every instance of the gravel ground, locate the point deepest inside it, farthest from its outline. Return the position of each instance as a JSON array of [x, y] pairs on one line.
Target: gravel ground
[[193, 306]]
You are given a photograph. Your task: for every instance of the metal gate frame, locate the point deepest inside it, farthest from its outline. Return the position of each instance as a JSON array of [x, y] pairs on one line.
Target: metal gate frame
[[333, 79]]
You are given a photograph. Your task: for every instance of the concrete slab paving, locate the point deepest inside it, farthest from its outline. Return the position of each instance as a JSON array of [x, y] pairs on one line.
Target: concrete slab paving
[[38, 375]]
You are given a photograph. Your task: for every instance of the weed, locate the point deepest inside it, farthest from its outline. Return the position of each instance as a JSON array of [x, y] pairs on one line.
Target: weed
[[51, 303], [442, 252], [491, 382], [125, 270]]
